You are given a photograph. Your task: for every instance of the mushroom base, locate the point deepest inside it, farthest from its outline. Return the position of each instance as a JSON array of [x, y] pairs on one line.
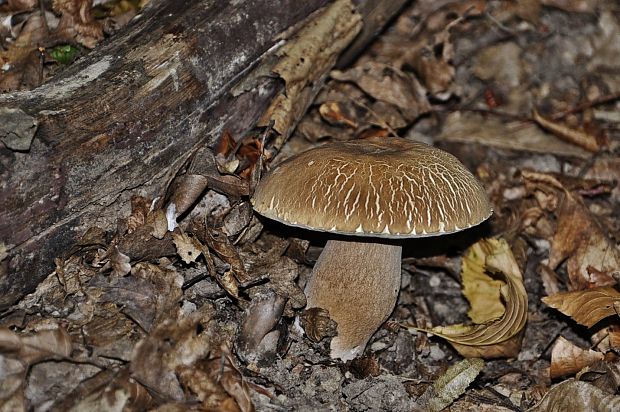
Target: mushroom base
[[357, 283]]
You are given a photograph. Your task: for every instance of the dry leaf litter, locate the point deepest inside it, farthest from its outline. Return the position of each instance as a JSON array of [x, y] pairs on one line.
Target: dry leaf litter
[[197, 313]]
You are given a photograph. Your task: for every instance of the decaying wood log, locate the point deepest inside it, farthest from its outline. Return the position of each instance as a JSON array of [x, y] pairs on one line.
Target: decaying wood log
[[126, 117]]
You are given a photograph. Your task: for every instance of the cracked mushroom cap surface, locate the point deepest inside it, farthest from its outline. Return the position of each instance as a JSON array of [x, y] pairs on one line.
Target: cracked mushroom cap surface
[[381, 187]]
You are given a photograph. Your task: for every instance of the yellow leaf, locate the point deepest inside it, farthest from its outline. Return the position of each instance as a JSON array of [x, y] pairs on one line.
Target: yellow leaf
[[586, 307], [568, 359], [500, 336], [480, 289]]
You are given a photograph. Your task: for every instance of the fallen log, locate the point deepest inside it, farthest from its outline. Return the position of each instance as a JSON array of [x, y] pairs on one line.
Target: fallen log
[[125, 118]]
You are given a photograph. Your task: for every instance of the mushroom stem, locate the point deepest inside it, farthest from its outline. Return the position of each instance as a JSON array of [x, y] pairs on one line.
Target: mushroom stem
[[357, 283]]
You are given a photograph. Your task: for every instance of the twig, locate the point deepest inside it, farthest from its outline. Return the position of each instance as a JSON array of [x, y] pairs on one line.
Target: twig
[[587, 105], [576, 137]]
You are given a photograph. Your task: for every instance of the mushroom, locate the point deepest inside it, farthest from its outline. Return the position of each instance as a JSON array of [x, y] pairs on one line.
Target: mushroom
[[372, 191]]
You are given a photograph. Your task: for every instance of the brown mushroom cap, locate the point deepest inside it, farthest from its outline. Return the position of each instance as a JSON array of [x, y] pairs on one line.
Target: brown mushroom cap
[[382, 187]]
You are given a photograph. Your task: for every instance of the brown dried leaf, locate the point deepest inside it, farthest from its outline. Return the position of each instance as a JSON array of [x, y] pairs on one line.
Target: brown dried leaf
[[338, 114], [157, 221], [35, 347], [22, 58], [185, 191], [256, 342], [388, 84], [225, 250], [586, 307], [502, 336], [188, 247], [107, 390], [110, 332], [492, 131], [305, 60], [77, 22], [140, 207], [364, 366], [579, 6], [218, 384], [317, 324], [576, 396], [17, 6], [281, 271], [568, 359], [119, 262], [604, 375], [175, 342], [432, 62], [506, 349], [591, 257], [150, 293], [203, 163], [150, 241], [12, 388], [72, 275], [237, 219]]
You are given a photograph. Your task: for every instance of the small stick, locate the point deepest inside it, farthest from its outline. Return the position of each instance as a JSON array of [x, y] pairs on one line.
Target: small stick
[[576, 137]]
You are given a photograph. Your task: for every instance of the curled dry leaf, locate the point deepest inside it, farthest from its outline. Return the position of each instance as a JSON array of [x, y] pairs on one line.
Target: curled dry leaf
[[35, 347], [604, 375], [22, 59], [586, 307], [119, 262], [568, 359], [204, 163], [140, 207], [307, 58], [185, 191], [281, 271], [225, 250], [238, 219], [576, 396], [388, 84], [317, 324], [77, 22], [480, 289], [365, 366], [449, 386], [261, 317], [12, 382], [17, 6], [498, 337]]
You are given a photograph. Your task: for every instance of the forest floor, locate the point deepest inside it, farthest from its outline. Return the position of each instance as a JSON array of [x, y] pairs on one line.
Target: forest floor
[[526, 94]]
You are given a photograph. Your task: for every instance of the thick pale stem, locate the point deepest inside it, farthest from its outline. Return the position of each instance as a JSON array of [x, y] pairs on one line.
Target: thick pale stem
[[358, 284]]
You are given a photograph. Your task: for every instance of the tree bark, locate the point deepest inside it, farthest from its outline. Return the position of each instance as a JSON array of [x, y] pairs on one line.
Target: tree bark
[[126, 117]]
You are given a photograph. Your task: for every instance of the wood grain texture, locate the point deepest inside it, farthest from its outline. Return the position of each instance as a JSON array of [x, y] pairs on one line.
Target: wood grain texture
[[125, 117]]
